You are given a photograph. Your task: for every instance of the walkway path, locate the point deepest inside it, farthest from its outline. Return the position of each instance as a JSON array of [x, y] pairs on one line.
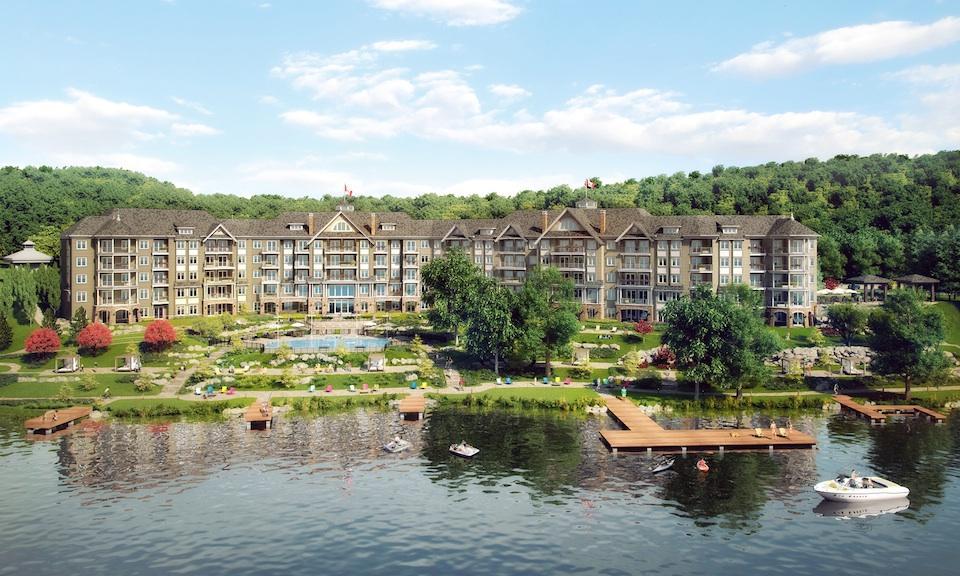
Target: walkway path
[[172, 388]]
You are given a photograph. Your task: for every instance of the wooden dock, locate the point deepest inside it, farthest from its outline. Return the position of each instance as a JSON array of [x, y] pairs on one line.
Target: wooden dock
[[877, 413], [413, 405], [259, 415], [56, 420], [643, 433]]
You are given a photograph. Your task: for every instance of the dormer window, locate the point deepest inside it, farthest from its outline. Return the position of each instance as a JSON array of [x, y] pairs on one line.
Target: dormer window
[[342, 226], [671, 229], [295, 227], [486, 231], [184, 231], [386, 226], [729, 229]]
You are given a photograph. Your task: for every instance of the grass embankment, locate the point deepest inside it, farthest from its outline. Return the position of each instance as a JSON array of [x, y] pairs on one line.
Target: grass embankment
[[731, 403], [951, 324], [265, 383], [153, 407], [563, 398], [322, 404], [626, 340], [119, 384]]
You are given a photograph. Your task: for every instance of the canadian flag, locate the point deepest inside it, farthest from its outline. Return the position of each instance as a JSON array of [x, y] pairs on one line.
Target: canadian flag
[[347, 190], [588, 184]]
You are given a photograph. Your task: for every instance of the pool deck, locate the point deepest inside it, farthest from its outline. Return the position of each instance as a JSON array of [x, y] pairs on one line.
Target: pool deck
[[643, 433], [56, 420], [877, 413]]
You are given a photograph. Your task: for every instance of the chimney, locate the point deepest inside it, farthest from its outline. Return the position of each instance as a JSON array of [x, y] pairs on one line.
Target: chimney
[[373, 223], [603, 221], [311, 223], [544, 221]]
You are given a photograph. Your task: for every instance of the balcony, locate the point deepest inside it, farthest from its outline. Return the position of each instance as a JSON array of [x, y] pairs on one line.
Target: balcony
[[634, 301], [270, 264]]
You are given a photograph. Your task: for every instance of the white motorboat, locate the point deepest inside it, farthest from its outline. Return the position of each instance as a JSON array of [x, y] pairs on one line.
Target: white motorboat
[[844, 510], [464, 449], [860, 489], [396, 445]]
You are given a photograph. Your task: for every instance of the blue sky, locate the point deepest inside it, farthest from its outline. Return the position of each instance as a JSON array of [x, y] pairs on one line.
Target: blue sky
[[468, 96]]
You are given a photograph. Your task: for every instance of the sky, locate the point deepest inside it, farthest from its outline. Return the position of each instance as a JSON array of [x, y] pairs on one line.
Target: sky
[[404, 97]]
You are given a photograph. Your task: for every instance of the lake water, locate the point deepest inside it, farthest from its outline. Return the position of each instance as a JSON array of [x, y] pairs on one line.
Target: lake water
[[331, 342], [318, 496]]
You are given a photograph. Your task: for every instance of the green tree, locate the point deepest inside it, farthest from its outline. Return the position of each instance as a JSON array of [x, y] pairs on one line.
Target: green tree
[[848, 320], [47, 281], [50, 320], [717, 341], [905, 337], [449, 282], [6, 332], [549, 314], [491, 330], [209, 327], [817, 338], [24, 294], [47, 240], [78, 323]]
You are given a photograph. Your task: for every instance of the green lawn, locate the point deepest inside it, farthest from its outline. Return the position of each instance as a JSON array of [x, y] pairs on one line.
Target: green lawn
[[799, 337], [951, 321], [119, 384], [568, 393], [626, 340]]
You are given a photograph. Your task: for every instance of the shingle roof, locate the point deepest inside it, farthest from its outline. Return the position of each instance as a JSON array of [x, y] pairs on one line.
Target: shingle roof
[[155, 222], [917, 279], [868, 279], [29, 255]]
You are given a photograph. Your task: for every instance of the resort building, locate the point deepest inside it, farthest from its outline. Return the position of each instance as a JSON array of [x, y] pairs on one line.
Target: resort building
[[131, 264]]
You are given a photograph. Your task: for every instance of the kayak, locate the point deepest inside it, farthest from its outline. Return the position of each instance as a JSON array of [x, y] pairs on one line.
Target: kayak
[[463, 449], [702, 465], [866, 489]]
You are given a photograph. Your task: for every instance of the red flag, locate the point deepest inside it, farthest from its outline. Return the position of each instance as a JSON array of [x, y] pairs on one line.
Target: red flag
[[347, 190], [588, 183]]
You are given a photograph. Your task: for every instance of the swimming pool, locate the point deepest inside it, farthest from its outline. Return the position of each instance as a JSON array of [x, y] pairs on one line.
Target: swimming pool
[[330, 342]]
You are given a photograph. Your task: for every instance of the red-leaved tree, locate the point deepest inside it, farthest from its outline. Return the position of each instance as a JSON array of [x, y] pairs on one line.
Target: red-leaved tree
[[159, 335], [831, 283], [643, 328], [664, 357], [42, 341], [95, 338]]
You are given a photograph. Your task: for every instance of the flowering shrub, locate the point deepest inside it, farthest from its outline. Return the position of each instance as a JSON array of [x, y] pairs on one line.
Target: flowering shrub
[[42, 341], [159, 335], [94, 338]]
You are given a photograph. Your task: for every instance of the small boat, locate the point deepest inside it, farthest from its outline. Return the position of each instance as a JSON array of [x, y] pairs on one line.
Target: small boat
[[857, 489], [464, 449], [702, 465], [396, 445], [663, 465], [843, 510]]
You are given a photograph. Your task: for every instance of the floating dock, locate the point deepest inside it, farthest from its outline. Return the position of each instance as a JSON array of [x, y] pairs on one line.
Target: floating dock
[[56, 420], [643, 433], [413, 405], [877, 413], [259, 416]]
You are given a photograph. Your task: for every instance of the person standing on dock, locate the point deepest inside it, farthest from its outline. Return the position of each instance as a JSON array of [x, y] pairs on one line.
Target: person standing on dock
[[623, 392]]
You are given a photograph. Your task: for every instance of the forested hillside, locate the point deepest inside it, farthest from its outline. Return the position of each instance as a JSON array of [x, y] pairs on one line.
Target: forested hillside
[[886, 214]]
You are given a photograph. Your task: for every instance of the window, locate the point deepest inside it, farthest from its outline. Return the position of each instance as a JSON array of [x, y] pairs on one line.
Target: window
[[738, 262], [424, 259], [143, 277], [183, 231], [81, 244], [143, 295], [181, 260], [342, 226], [193, 276], [296, 227], [81, 296], [181, 245], [143, 261], [738, 245], [144, 244], [81, 262], [609, 262], [256, 258], [194, 244], [288, 244], [725, 245], [424, 243], [729, 229], [81, 279], [674, 279], [241, 244], [257, 244], [411, 245]]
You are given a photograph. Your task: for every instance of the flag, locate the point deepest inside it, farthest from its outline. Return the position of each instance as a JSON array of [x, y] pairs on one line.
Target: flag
[[588, 183], [347, 190]]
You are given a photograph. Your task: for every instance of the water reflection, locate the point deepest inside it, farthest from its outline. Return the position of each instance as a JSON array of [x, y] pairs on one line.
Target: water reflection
[[845, 511]]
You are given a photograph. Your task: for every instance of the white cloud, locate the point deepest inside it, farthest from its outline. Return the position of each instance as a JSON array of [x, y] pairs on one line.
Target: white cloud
[[944, 74], [847, 45], [402, 45], [455, 12], [86, 129], [193, 129], [509, 92], [195, 106]]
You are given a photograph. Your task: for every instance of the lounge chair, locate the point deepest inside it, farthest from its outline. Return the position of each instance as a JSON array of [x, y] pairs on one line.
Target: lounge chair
[[329, 388], [365, 388], [783, 433], [353, 388], [312, 389], [758, 432]]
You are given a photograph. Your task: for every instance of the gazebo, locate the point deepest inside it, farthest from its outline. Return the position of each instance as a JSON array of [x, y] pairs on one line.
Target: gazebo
[[920, 282], [28, 257], [127, 363], [67, 364], [871, 285]]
